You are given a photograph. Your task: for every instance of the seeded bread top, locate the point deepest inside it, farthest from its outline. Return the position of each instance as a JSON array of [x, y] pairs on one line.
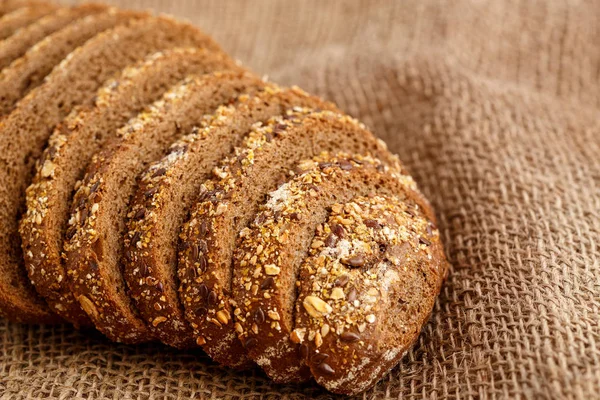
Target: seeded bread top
[[96, 247], [70, 149], [21, 17], [160, 216], [17, 44], [269, 252], [373, 273]]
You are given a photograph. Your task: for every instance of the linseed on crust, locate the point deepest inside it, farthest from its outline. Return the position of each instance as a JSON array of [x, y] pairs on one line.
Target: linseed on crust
[[367, 287], [95, 249], [269, 252], [69, 151]]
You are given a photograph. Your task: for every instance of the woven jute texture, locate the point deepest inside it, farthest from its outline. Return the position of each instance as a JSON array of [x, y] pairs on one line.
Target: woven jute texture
[[494, 106]]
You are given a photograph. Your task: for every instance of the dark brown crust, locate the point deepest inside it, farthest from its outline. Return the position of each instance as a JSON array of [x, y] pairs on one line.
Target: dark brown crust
[[70, 149], [11, 22], [24, 133], [28, 72], [95, 278], [377, 265], [18, 43], [188, 165], [273, 246]]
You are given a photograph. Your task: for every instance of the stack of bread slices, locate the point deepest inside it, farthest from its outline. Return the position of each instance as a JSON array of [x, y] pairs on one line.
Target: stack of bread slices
[[153, 188]]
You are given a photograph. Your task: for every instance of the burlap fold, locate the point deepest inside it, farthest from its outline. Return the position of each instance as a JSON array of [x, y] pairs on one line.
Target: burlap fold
[[495, 109]]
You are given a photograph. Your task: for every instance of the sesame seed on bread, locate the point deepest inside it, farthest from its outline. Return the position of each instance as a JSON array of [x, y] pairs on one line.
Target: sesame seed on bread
[[176, 180], [25, 131], [366, 289], [21, 17], [95, 249], [70, 149], [269, 252], [17, 44]]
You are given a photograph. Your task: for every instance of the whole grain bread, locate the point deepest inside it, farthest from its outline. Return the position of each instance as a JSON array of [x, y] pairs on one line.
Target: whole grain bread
[[17, 44], [70, 149], [21, 17], [95, 248], [159, 217], [230, 199], [28, 72], [269, 252], [24, 133], [176, 180], [366, 289]]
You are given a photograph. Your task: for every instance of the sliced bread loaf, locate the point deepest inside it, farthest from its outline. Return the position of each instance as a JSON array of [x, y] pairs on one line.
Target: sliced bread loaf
[[28, 72], [17, 44], [21, 17], [70, 149], [97, 225], [269, 252], [24, 133], [176, 180], [230, 200], [367, 288]]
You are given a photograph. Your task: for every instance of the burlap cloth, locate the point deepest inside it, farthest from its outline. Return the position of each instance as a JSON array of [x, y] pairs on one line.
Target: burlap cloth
[[495, 108]]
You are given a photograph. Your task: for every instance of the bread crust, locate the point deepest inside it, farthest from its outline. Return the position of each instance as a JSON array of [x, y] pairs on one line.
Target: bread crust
[[95, 249], [70, 149]]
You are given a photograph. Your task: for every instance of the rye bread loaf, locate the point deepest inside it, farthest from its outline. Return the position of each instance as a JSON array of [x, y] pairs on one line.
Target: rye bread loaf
[[176, 180], [24, 133], [95, 248], [70, 149], [268, 253], [28, 72], [21, 17], [229, 201], [367, 288], [17, 44]]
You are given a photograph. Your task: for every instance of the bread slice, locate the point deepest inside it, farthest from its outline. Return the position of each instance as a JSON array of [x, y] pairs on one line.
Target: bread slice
[[230, 200], [367, 288], [71, 147], [17, 44], [28, 72], [269, 252], [176, 180], [21, 17], [97, 225], [24, 133]]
